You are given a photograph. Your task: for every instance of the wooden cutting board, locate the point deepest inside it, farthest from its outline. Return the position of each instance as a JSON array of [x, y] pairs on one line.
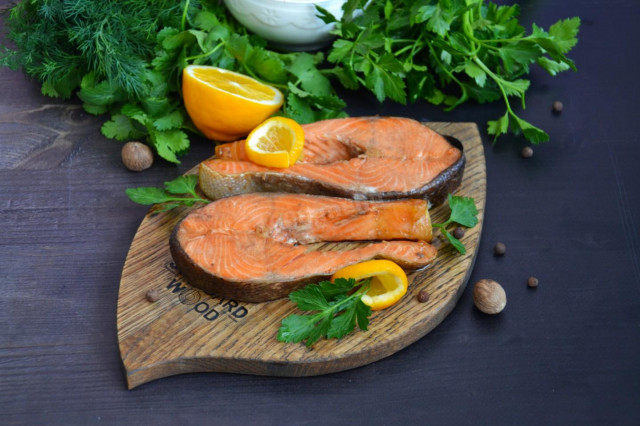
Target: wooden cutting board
[[187, 330]]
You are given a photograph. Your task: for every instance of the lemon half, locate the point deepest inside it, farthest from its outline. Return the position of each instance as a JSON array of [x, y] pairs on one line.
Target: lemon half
[[226, 105]]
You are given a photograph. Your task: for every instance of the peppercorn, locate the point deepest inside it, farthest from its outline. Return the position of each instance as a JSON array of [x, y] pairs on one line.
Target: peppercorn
[[152, 295], [527, 152], [499, 249], [532, 282], [423, 296], [557, 107], [458, 232]]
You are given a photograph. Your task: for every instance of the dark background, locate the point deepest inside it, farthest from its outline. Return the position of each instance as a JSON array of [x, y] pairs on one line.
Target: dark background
[[567, 352]]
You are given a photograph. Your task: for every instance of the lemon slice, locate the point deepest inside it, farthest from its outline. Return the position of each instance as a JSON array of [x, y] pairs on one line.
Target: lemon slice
[[277, 142], [388, 281], [225, 105]]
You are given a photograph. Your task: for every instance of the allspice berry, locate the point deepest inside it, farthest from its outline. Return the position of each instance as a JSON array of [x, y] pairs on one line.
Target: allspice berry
[[136, 156], [527, 152], [499, 249], [557, 107], [489, 297], [458, 232], [152, 295], [423, 296], [532, 282]]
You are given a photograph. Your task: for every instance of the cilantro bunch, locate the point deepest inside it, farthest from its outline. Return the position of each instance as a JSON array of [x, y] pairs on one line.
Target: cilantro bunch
[[447, 52]]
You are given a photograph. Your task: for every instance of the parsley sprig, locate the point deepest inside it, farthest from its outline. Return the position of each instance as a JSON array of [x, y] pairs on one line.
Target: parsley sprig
[[178, 192], [337, 311], [463, 212]]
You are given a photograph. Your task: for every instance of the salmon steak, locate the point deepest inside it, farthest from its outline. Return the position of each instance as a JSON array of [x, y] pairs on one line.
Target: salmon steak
[[362, 158], [261, 246]]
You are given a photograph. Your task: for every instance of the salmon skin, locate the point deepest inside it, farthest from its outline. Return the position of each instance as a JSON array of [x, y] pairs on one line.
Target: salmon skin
[[254, 247], [363, 158]]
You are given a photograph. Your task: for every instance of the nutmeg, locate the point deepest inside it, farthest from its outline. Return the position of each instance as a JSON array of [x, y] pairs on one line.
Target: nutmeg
[[136, 156], [489, 296]]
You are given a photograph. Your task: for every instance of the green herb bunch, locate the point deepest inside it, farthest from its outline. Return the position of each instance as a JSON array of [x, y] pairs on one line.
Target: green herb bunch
[[125, 59], [337, 307], [447, 52]]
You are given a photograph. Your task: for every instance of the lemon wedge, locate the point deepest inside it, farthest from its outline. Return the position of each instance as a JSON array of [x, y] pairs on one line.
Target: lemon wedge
[[277, 142], [388, 281]]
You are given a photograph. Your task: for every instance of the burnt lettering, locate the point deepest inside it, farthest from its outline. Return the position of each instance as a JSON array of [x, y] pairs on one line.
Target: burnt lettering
[[201, 307], [230, 304], [176, 285]]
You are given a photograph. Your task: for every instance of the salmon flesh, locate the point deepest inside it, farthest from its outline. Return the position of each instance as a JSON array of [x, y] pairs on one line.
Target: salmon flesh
[[362, 158], [256, 247]]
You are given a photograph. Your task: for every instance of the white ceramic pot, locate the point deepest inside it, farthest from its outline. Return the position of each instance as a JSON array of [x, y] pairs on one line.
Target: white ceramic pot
[[287, 24]]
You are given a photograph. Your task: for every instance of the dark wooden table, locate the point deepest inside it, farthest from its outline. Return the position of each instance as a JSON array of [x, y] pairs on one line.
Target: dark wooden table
[[567, 352]]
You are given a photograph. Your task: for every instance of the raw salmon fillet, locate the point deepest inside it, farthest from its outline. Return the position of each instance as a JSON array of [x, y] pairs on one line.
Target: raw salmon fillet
[[374, 158], [254, 247]]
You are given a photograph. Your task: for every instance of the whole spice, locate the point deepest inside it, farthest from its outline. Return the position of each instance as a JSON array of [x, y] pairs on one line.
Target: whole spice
[[532, 282], [489, 296], [136, 156], [458, 232], [499, 249], [527, 152], [557, 107], [152, 295], [423, 296]]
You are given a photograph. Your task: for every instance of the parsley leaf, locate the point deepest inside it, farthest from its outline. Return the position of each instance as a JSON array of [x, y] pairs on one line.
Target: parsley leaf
[[337, 311], [565, 33], [182, 185], [463, 212], [173, 120], [120, 127]]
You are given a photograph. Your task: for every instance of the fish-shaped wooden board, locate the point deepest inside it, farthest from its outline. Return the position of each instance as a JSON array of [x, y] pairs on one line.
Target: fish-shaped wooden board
[[187, 330]]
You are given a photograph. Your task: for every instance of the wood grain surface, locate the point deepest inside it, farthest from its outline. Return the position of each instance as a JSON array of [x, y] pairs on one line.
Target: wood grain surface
[[188, 330]]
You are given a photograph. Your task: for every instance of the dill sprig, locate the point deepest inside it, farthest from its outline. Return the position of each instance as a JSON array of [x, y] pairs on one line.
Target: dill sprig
[[59, 42]]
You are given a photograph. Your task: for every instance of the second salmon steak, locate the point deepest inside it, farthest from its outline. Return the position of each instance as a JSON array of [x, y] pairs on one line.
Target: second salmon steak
[[259, 247]]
